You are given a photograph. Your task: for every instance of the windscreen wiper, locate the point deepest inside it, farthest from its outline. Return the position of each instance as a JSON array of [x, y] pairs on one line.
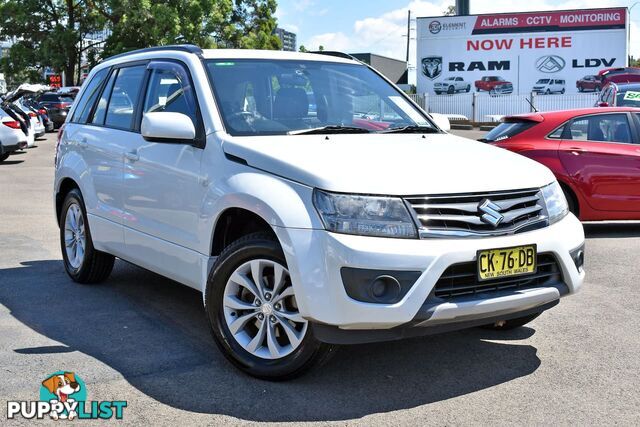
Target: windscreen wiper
[[411, 129], [329, 129]]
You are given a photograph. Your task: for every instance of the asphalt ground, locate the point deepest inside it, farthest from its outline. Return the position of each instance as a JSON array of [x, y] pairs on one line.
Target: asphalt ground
[[144, 339]]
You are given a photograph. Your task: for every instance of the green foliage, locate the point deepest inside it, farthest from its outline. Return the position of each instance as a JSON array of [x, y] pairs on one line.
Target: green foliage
[[50, 31], [302, 48], [451, 11]]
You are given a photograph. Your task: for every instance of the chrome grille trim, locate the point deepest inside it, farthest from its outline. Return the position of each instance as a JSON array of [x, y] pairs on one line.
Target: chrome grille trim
[[458, 215]]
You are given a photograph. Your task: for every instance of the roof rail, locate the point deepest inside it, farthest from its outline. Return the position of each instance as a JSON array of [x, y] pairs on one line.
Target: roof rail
[[190, 48], [335, 53]]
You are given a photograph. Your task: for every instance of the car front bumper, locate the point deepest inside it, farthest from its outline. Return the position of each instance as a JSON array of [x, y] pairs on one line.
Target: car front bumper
[[315, 259]]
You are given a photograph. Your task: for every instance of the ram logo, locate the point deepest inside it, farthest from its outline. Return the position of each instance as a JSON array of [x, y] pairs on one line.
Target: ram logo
[[432, 66]]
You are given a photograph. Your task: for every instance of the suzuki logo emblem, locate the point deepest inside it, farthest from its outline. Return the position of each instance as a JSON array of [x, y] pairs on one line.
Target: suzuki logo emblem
[[490, 212]]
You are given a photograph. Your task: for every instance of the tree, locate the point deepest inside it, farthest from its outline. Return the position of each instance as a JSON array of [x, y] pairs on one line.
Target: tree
[[302, 48], [50, 33], [451, 11], [47, 33], [321, 48]]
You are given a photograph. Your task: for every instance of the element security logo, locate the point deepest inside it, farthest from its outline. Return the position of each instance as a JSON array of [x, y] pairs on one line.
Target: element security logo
[[435, 27], [550, 64], [63, 396]]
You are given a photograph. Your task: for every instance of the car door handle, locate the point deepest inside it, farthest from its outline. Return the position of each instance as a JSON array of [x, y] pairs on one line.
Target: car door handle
[[83, 143], [132, 156], [576, 151]]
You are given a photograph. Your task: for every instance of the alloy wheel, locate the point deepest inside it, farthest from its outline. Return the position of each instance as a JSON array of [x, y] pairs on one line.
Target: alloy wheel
[[75, 239], [260, 309]]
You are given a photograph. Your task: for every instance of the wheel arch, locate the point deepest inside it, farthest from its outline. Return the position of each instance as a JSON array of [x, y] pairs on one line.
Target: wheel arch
[[66, 185]]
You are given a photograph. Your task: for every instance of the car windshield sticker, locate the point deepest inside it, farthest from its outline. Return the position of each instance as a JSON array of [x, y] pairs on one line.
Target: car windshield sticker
[[408, 110], [632, 96]]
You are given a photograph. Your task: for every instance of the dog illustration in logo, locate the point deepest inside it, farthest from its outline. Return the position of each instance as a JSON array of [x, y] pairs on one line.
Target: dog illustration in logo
[[62, 385], [432, 66]]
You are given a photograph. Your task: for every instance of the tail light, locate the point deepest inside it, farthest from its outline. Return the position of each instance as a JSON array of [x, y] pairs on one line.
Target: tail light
[[13, 124], [60, 132], [62, 105], [32, 114], [42, 111]]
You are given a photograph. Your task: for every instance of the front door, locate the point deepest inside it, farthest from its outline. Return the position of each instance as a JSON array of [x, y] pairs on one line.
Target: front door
[[163, 189]]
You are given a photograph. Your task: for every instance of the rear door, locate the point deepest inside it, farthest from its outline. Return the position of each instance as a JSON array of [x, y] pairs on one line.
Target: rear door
[[602, 155]]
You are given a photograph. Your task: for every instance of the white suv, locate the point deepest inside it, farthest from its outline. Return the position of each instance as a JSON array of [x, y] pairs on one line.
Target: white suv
[[253, 177]]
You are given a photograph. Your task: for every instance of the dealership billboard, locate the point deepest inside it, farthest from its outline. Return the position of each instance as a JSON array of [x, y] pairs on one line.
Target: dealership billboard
[[546, 52]]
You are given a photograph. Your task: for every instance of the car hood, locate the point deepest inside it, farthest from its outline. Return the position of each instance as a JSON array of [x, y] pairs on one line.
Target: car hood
[[392, 164]]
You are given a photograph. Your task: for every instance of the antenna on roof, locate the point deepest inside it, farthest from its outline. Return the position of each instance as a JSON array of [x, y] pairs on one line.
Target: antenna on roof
[[533, 107]]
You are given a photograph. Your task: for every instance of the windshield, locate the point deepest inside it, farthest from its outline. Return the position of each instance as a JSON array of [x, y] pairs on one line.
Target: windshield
[[543, 81], [277, 97]]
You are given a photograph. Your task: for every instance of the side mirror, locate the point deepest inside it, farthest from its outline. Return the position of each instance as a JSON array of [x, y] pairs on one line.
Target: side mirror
[[441, 121], [603, 104], [164, 126]]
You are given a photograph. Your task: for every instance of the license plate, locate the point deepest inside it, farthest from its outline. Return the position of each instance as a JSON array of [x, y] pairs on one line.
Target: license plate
[[506, 262]]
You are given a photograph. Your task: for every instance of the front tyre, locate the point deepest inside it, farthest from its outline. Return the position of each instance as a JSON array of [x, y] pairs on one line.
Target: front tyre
[[254, 315], [83, 263], [4, 157]]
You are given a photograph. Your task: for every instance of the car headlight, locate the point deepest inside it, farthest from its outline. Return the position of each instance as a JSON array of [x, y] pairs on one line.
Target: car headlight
[[364, 215], [555, 201]]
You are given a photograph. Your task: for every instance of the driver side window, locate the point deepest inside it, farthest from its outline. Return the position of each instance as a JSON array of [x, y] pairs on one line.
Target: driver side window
[[170, 90]]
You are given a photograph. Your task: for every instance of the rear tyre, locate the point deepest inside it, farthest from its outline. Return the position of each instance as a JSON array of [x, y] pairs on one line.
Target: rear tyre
[[468, 88], [83, 263], [4, 157], [562, 91], [451, 90], [507, 325], [253, 313]]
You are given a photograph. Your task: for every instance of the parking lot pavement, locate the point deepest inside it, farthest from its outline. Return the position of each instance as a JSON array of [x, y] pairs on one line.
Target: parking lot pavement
[[144, 339]]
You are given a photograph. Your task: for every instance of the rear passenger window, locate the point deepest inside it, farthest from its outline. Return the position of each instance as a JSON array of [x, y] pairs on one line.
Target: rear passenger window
[[89, 96], [124, 97], [601, 128], [101, 108]]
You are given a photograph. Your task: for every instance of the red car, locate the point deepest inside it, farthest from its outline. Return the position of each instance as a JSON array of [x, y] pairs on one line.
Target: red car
[[493, 84], [593, 152], [590, 83]]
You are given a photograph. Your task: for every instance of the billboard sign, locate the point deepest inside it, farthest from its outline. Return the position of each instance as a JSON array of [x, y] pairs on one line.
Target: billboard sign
[[545, 52]]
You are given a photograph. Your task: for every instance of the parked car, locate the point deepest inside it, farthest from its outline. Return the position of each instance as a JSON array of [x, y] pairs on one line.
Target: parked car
[[619, 95], [593, 152], [12, 136], [589, 83], [304, 230], [494, 85], [36, 121], [548, 86], [58, 106], [12, 106], [70, 91], [42, 112], [619, 75], [451, 85]]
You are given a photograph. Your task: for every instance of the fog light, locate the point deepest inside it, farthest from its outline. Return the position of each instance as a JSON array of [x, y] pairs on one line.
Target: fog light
[[578, 256], [385, 288]]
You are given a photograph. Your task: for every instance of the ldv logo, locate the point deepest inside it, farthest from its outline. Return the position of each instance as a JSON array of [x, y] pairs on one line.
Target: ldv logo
[[592, 63]]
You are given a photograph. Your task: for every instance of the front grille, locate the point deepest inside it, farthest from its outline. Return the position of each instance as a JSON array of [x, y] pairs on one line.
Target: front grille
[[460, 280], [460, 215]]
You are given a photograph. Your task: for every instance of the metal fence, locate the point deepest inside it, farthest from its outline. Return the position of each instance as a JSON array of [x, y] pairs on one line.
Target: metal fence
[[483, 107]]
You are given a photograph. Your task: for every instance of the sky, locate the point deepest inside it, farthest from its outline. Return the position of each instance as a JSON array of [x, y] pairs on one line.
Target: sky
[[380, 26]]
